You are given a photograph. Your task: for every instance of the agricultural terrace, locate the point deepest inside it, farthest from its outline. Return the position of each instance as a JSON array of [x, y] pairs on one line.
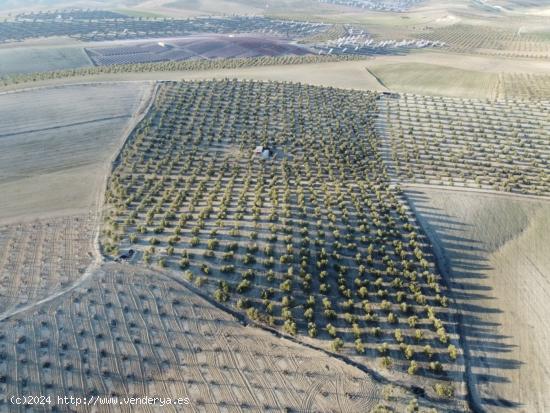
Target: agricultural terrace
[[508, 42], [127, 332], [502, 145], [312, 240], [133, 28]]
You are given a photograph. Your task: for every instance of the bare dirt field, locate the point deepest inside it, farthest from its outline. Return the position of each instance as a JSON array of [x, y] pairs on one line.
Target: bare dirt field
[[494, 249], [55, 145], [460, 75], [127, 331], [41, 257]]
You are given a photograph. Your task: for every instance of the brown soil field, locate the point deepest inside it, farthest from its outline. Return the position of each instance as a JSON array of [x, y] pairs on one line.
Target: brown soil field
[[127, 331], [56, 143], [494, 250], [207, 46]]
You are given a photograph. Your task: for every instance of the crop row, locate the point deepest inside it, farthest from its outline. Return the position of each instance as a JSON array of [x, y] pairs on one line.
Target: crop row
[[502, 145], [377, 5], [151, 28], [312, 240], [523, 85], [490, 40], [42, 256], [204, 64], [70, 14], [132, 333]]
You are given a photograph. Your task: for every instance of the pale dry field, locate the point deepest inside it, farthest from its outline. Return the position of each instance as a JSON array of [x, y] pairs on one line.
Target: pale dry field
[[494, 249], [523, 85], [458, 75], [56, 143], [430, 79], [483, 64], [41, 59]]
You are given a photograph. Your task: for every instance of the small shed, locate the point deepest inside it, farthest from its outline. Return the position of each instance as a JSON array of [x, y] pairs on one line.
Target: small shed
[[263, 151], [266, 153]]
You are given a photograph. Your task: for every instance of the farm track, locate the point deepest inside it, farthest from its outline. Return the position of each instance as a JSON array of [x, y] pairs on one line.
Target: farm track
[[156, 346], [41, 259], [47, 254], [362, 366], [146, 302], [68, 125]]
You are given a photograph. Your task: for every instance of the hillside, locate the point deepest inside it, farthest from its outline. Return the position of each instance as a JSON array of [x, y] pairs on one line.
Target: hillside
[[311, 240], [55, 145], [493, 249]]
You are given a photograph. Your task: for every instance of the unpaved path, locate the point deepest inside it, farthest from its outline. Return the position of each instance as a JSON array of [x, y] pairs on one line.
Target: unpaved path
[[47, 258]]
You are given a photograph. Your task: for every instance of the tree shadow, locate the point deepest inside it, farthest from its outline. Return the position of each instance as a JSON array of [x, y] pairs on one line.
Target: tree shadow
[[463, 264]]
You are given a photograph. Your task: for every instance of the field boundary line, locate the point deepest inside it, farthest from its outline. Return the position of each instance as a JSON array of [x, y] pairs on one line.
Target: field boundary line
[[139, 115], [377, 79], [70, 84], [99, 260], [67, 125]]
